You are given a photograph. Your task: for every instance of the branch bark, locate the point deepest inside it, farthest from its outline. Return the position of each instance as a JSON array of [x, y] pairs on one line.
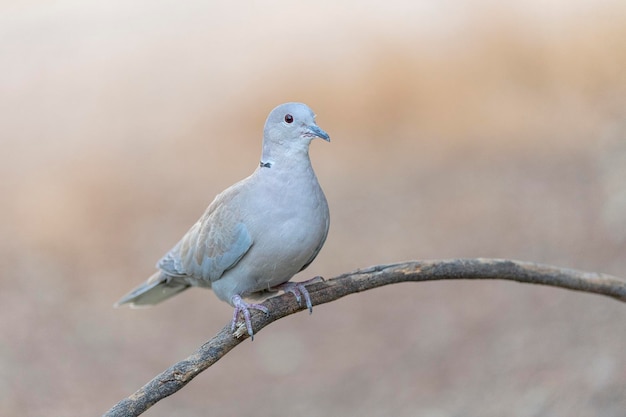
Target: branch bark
[[179, 374]]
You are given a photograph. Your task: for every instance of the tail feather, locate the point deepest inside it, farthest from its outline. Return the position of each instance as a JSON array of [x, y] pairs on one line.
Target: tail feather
[[158, 288]]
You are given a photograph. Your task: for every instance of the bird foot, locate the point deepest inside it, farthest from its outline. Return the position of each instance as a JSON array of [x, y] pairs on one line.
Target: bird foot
[[244, 308], [299, 290]]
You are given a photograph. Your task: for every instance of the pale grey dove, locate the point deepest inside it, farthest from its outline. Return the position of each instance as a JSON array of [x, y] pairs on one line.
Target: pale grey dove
[[258, 233]]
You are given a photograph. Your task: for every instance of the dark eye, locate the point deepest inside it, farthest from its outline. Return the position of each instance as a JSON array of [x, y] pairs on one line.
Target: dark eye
[[289, 118]]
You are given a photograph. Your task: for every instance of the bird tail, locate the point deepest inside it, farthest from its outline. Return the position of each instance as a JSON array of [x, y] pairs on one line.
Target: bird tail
[[157, 288]]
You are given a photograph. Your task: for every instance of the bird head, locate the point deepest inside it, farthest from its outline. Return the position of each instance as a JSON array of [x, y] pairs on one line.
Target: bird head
[[289, 129]]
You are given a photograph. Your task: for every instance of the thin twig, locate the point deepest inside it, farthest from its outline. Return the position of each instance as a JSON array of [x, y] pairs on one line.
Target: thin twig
[[178, 375]]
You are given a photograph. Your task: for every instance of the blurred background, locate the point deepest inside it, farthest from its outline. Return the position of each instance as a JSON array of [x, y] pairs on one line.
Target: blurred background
[[459, 129]]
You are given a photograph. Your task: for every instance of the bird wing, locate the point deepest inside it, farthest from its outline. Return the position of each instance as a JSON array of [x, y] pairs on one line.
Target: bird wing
[[214, 244]]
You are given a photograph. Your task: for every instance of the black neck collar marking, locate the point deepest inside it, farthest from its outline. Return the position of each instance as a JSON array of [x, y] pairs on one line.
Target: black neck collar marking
[[265, 164]]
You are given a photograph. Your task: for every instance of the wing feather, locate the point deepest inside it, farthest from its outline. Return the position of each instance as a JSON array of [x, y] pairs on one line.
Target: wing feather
[[214, 244]]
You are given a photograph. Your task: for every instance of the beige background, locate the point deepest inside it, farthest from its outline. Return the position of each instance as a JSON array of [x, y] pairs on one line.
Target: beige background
[[459, 129]]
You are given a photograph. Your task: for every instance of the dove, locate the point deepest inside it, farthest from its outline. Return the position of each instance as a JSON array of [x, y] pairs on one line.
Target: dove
[[258, 233]]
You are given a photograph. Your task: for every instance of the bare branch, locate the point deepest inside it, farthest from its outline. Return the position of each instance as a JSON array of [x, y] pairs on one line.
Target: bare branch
[[177, 376]]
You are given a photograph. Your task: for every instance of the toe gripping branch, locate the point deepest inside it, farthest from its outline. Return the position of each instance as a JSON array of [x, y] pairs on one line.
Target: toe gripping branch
[[244, 308], [298, 289]]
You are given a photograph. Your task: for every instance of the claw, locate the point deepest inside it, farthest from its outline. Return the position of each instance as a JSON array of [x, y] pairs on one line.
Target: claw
[[299, 290], [243, 307]]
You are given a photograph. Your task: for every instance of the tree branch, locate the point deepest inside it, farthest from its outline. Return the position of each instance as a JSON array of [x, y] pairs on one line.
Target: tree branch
[[178, 375]]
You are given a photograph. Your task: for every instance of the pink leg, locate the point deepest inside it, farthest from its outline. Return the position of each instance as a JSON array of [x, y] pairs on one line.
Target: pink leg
[[298, 289], [243, 307]]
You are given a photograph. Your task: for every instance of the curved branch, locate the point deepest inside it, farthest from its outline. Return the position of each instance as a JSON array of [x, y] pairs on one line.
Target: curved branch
[[178, 375]]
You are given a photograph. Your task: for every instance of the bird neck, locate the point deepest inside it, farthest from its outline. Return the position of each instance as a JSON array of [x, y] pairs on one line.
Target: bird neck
[[290, 159]]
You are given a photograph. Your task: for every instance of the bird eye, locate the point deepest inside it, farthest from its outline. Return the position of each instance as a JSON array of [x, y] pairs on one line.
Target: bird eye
[[289, 118]]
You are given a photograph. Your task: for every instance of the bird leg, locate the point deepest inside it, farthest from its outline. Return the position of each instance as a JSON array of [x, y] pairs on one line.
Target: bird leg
[[299, 290], [244, 308]]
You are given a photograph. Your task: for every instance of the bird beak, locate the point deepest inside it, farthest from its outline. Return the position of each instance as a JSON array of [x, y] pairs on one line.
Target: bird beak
[[316, 131]]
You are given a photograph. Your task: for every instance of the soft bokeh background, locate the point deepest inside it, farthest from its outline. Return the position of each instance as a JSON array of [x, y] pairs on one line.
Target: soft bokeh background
[[459, 129]]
